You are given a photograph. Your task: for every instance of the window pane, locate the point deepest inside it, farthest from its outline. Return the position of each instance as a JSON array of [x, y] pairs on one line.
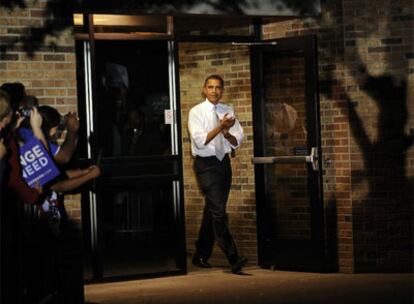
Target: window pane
[[132, 97]]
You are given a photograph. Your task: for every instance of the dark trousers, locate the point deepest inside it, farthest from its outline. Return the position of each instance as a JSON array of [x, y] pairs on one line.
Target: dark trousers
[[214, 178]]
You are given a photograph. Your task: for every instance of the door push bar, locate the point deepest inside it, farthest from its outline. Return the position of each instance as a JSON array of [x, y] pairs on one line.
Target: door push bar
[[312, 158]]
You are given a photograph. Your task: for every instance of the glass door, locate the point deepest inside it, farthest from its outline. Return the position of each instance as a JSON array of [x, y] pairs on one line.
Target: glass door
[[286, 154], [133, 223]]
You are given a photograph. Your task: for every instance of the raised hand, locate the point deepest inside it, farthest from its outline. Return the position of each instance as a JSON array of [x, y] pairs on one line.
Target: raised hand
[[35, 119], [20, 118], [94, 171], [38, 187], [72, 122], [227, 121]]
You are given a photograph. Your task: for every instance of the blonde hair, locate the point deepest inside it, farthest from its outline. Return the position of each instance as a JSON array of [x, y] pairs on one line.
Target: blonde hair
[[5, 108]]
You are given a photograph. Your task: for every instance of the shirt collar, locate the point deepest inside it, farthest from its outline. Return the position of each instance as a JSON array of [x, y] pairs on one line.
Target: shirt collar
[[210, 106]]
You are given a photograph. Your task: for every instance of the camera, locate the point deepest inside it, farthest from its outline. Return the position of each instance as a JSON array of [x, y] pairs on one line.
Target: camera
[[25, 112], [27, 104]]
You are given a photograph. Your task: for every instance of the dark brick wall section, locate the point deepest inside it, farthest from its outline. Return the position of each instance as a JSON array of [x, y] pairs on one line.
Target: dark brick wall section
[[367, 117]]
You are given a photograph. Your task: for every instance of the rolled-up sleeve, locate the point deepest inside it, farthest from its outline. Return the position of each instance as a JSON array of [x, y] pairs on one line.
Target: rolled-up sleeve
[[237, 132], [197, 132]]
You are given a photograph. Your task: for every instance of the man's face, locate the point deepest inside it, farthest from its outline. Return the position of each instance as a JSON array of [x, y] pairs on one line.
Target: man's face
[[213, 90]]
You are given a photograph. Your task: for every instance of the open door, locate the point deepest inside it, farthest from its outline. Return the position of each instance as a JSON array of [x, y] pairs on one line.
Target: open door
[[133, 221], [286, 154]]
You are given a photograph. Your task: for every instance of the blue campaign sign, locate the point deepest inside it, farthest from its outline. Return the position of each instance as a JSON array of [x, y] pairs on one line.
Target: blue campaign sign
[[37, 164]]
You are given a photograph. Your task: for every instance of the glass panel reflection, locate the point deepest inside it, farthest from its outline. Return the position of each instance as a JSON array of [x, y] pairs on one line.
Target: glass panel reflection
[[133, 96], [286, 135]]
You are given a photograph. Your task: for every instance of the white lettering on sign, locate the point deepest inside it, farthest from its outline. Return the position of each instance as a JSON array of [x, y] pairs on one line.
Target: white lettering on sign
[[33, 161]]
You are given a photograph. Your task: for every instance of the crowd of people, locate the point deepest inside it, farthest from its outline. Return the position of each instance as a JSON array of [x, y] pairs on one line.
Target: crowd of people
[[24, 121], [215, 133]]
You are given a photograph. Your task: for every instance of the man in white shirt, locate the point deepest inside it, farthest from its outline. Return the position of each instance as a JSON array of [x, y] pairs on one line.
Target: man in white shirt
[[214, 132]]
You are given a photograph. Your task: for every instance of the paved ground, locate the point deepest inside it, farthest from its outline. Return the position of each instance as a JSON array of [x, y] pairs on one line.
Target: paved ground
[[258, 286]]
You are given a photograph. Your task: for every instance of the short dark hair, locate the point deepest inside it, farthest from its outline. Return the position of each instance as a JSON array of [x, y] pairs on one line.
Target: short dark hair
[[16, 91], [215, 76], [30, 101], [51, 118]]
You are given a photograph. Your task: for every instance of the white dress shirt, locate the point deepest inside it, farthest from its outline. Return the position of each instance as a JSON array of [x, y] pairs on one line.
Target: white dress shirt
[[202, 119]]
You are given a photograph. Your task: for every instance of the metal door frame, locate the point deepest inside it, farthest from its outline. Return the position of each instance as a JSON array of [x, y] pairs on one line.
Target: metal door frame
[[93, 200], [308, 45]]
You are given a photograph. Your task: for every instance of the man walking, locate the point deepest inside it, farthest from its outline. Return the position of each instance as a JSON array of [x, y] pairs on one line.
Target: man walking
[[214, 132]]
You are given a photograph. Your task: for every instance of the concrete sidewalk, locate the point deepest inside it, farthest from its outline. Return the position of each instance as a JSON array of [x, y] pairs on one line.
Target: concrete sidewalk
[[257, 285]]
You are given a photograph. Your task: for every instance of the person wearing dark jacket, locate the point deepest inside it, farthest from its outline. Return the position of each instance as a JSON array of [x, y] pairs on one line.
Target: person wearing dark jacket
[[5, 119]]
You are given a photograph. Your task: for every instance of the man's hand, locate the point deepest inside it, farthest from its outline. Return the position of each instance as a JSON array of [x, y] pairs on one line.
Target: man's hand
[[38, 187], [72, 122], [19, 120], [94, 171], [227, 122], [35, 119], [226, 133]]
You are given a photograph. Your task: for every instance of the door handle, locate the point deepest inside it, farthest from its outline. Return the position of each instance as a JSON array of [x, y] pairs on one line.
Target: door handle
[[313, 159]]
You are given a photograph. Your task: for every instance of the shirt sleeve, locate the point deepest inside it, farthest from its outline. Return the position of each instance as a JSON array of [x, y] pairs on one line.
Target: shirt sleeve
[[197, 133], [54, 148], [237, 132]]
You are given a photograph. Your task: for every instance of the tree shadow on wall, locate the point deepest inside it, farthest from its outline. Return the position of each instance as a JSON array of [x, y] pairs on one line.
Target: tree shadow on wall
[[59, 15], [383, 220]]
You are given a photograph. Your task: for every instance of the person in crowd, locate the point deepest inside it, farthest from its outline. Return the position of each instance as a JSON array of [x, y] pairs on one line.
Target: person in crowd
[[14, 189], [53, 233], [50, 124], [16, 183], [70, 123], [5, 119], [16, 91], [214, 132], [44, 123]]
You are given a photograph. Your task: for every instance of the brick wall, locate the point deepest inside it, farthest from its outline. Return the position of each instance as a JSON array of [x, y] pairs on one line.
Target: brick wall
[[366, 70], [381, 37], [232, 63], [366, 80], [48, 73]]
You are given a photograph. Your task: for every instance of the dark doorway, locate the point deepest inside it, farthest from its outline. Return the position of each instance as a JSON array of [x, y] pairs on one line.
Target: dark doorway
[[286, 152], [133, 221]]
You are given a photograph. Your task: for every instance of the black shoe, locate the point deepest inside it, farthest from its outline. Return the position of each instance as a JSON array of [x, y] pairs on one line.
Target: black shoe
[[200, 262], [238, 265]]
